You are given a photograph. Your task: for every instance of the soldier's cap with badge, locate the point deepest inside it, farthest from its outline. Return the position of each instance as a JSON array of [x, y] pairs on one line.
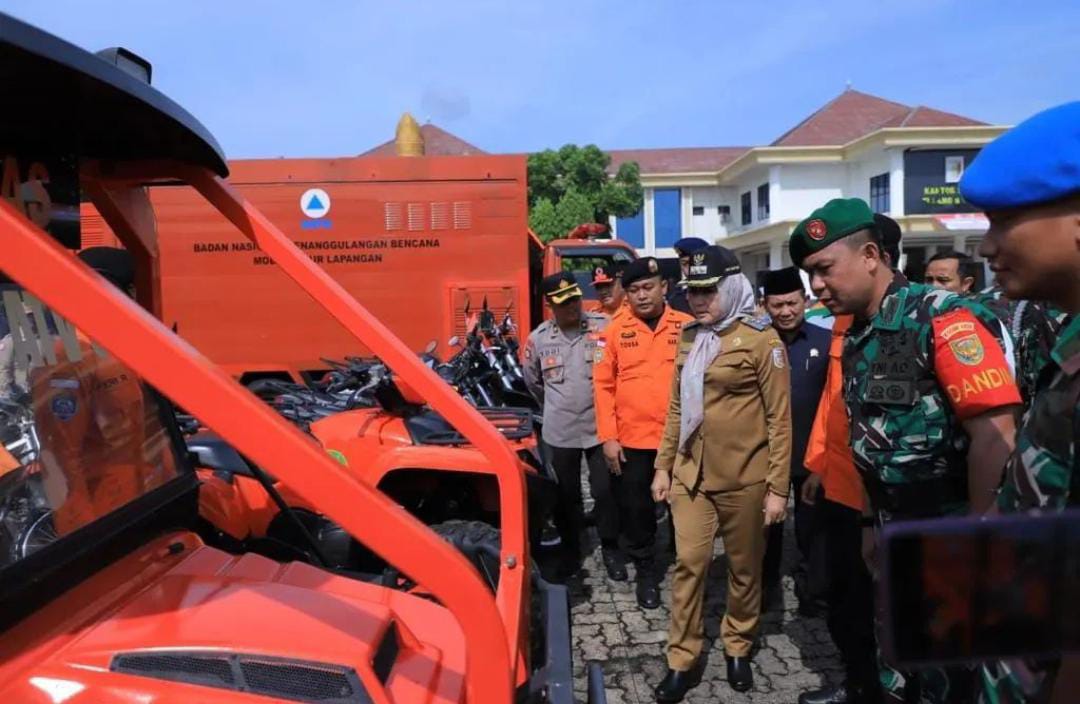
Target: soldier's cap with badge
[[1036, 162], [781, 281], [688, 245], [641, 268], [710, 265], [831, 222], [560, 288], [605, 274]]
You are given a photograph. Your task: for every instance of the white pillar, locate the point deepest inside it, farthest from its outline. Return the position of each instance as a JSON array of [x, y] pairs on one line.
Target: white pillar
[[776, 254], [896, 182], [959, 242], [612, 223], [686, 219], [650, 224], [775, 193]]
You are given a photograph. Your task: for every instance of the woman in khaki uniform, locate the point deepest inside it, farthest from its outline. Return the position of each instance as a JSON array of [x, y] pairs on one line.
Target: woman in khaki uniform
[[723, 463]]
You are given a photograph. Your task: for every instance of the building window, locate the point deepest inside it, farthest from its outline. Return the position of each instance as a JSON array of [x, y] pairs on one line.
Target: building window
[[699, 210], [879, 193], [763, 202], [745, 208], [724, 211]]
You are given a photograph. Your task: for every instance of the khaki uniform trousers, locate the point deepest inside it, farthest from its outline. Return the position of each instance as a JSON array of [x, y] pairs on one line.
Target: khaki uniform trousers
[[698, 516]]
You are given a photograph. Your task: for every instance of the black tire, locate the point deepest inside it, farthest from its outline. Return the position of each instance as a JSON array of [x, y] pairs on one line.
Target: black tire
[[480, 542]]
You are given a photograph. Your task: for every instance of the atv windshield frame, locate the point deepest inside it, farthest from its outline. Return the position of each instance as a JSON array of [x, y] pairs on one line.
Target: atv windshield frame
[[126, 136]]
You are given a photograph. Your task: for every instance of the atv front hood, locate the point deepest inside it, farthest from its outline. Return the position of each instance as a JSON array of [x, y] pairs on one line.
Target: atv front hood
[[177, 596]]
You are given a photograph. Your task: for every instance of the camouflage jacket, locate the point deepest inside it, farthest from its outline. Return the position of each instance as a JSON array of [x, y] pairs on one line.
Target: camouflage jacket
[[902, 393], [1042, 471], [1034, 327]]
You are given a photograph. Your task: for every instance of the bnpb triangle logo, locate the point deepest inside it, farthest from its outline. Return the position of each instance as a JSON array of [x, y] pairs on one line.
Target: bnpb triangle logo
[[315, 203]]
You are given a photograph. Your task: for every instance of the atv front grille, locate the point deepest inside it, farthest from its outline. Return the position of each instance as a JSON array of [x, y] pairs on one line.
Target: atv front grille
[[282, 678]]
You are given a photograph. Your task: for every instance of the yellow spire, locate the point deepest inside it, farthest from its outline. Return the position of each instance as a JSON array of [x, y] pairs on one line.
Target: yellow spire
[[408, 140]]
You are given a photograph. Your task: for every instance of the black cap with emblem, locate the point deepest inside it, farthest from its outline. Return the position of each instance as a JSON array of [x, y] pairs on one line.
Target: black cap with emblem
[[710, 265], [560, 288], [643, 268]]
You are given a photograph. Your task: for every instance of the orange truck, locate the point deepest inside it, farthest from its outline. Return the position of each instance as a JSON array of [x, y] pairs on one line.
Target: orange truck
[[417, 240]]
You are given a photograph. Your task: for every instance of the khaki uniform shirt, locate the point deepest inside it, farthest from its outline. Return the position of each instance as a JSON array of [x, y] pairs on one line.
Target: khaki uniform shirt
[[745, 437], [559, 373]]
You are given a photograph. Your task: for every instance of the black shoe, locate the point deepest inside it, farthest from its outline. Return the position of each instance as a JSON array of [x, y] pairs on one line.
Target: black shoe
[[829, 695], [674, 686], [648, 590], [615, 565], [739, 675]]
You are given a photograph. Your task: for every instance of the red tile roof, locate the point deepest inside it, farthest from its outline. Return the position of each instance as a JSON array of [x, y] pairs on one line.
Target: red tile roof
[[679, 160], [853, 114], [437, 142], [847, 117]]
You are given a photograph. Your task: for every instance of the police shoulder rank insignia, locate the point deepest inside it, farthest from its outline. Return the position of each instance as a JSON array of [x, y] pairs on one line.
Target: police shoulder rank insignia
[[968, 349], [759, 323], [778, 358]]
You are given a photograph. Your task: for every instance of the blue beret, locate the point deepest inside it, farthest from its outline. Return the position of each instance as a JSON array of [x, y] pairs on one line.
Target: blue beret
[[1035, 162], [689, 245]]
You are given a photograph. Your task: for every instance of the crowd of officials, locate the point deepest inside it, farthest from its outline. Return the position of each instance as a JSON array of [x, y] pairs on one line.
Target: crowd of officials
[[908, 401]]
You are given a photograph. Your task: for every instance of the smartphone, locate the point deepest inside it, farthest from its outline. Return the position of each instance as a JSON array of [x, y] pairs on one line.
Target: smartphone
[[963, 590]]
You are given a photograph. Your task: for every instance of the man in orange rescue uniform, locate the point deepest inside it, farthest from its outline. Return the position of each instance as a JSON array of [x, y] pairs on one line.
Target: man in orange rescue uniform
[[632, 376]]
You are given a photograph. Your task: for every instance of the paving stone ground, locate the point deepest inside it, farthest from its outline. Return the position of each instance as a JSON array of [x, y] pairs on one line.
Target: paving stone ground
[[794, 653]]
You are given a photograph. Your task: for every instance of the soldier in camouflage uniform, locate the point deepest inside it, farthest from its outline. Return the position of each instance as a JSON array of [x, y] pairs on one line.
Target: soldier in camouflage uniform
[[1034, 327], [1028, 183], [929, 393]]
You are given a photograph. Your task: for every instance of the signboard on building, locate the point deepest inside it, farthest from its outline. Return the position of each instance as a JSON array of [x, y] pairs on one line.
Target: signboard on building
[[932, 180]]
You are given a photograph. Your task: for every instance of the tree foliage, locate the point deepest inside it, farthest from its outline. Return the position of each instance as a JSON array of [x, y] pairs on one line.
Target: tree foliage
[[579, 176]]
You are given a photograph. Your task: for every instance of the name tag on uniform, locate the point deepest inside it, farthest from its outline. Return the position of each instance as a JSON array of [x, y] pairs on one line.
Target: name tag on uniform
[[891, 392]]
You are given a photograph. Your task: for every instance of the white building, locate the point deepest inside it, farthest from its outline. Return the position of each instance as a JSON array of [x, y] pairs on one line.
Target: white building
[[904, 161]]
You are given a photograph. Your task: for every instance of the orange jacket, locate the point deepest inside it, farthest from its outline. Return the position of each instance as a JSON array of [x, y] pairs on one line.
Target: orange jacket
[[632, 378], [91, 419], [828, 452]]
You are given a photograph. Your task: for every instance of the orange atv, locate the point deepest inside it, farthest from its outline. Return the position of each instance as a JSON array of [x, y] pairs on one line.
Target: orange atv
[[123, 595]]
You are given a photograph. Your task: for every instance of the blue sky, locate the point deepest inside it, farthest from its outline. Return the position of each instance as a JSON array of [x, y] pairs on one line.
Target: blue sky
[[331, 78]]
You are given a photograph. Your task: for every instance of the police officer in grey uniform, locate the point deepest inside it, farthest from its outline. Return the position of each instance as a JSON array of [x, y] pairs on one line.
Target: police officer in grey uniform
[[559, 357]]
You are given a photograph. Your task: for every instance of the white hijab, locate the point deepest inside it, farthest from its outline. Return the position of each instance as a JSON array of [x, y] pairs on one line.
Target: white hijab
[[736, 302]]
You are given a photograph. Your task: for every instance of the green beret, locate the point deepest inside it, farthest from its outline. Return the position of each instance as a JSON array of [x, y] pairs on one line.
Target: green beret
[[833, 221]]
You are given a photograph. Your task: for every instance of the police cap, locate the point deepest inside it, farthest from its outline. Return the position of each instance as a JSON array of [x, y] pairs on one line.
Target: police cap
[[688, 245], [560, 288]]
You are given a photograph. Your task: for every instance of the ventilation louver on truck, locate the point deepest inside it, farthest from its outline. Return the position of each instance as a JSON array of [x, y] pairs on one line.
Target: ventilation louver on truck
[[282, 678]]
